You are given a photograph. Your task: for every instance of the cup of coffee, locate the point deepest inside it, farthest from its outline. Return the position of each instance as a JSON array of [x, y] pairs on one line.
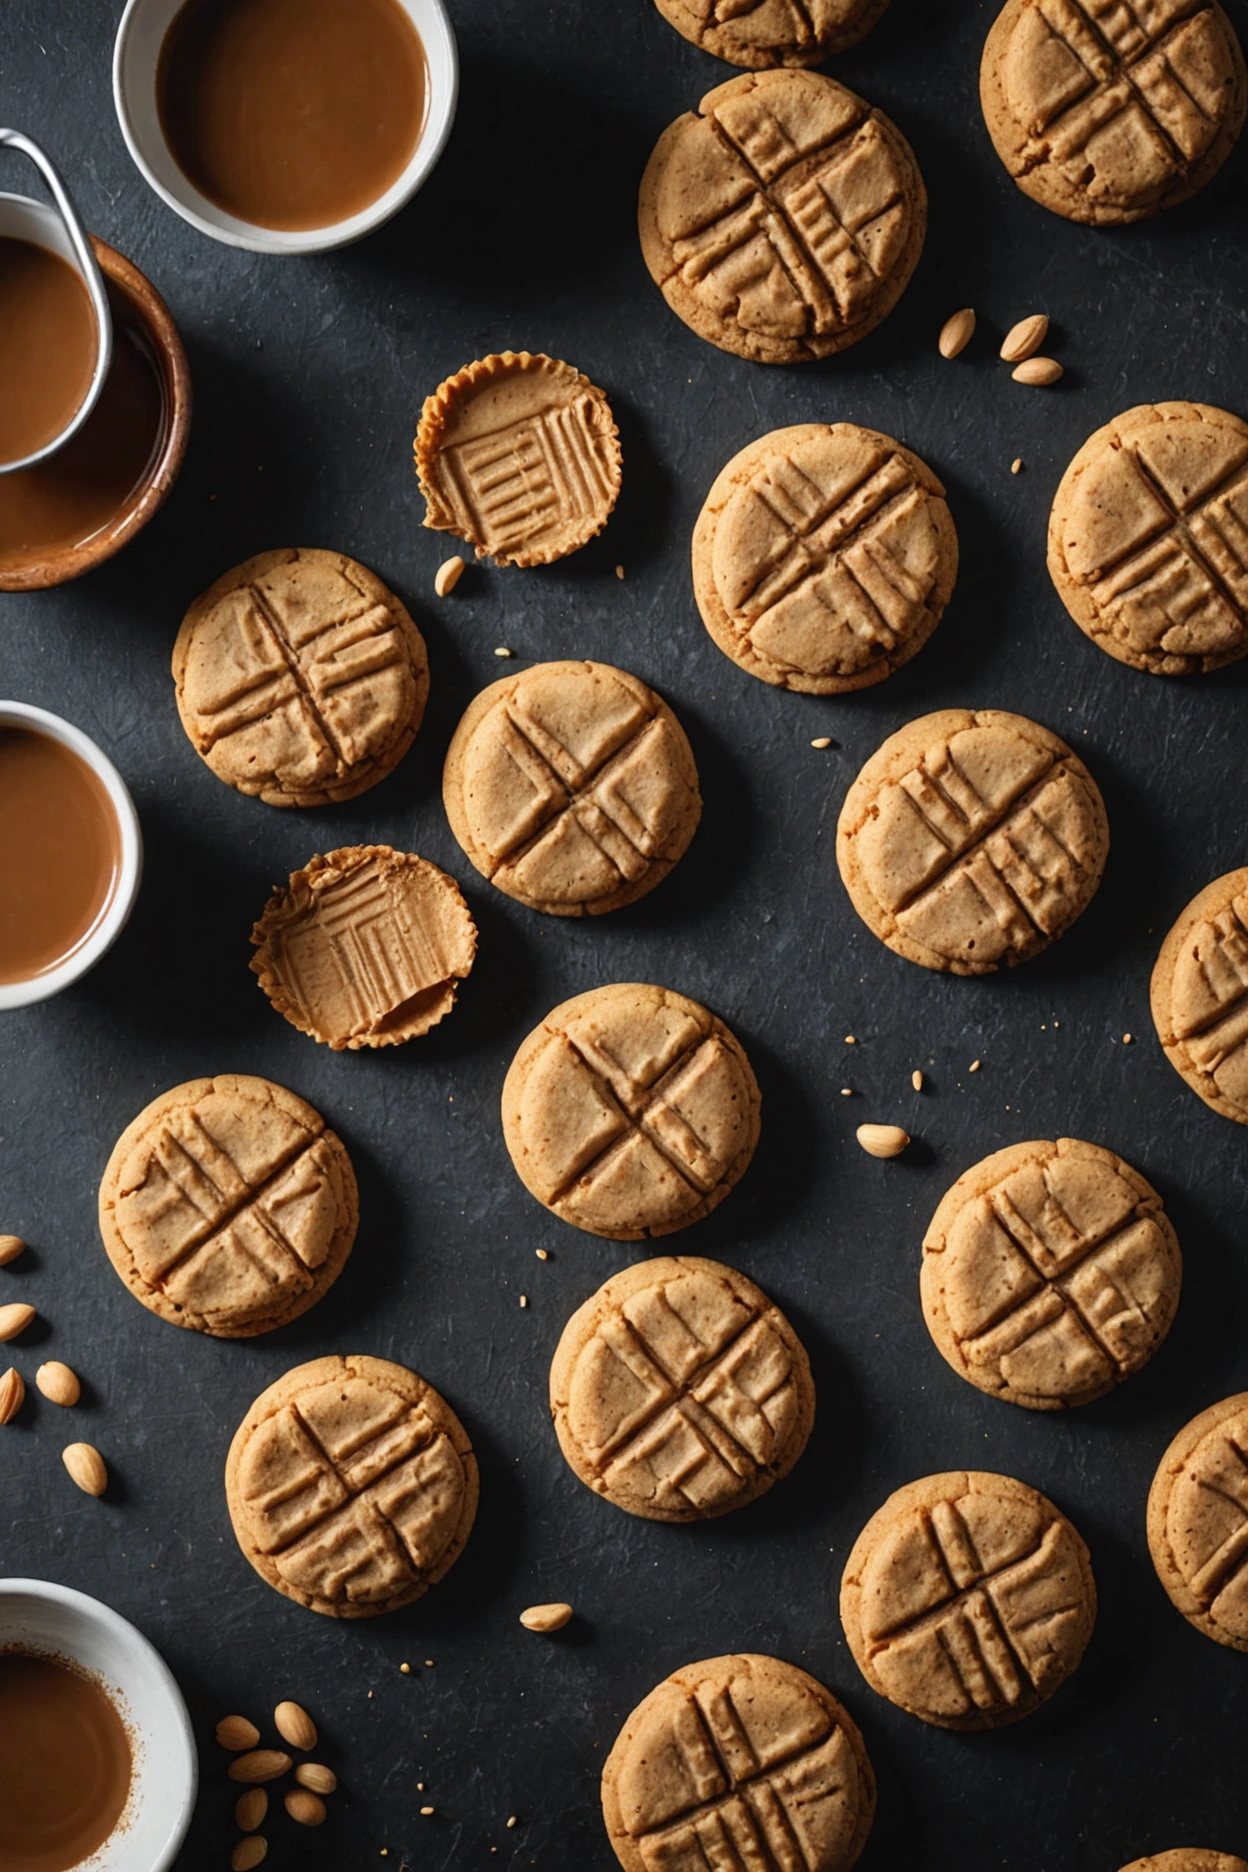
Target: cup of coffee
[[98, 1764], [70, 850], [285, 126]]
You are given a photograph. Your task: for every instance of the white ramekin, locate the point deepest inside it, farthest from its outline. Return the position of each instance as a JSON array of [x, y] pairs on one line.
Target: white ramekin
[[109, 928], [38, 1616], [135, 59]]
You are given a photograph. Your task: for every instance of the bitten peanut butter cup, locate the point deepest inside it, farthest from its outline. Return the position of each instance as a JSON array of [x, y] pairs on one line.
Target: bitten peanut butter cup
[[763, 33], [351, 1486], [1050, 1273], [971, 840], [300, 678], [365, 947], [783, 218], [519, 455], [1198, 1522], [1199, 995], [968, 1600], [823, 557], [572, 788], [745, 1759], [1188, 1859], [679, 1391], [1107, 113], [631, 1111], [228, 1206], [1148, 538]]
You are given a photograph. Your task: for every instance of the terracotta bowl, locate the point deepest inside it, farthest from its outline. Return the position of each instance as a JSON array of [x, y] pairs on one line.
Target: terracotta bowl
[[149, 311]]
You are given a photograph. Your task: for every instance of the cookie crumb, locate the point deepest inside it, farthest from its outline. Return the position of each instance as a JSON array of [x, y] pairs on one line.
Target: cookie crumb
[[1126, 1039], [847, 1092], [448, 575], [428, 1663], [427, 1810], [524, 1300], [619, 571], [1016, 466], [503, 651], [543, 1254], [406, 1669], [822, 741], [851, 1040], [916, 1080], [974, 1066]]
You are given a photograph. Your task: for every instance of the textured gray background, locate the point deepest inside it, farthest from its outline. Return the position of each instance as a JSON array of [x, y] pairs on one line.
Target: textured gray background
[[309, 375]]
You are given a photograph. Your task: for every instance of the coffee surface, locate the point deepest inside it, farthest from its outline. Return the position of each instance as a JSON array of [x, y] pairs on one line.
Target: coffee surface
[[65, 1766], [60, 853], [47, 346], [65, 501], [292, 114]]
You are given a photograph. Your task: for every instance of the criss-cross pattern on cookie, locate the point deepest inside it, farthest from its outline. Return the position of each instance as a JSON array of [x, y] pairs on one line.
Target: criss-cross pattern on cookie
[[350, 1492], [514, 486], [974, 1605], [1207, 1525], [1124, 97], [1209, 1000], [1056, 1281]]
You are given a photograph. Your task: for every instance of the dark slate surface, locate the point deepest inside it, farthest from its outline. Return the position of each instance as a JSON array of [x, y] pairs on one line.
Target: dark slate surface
[[309, 375]]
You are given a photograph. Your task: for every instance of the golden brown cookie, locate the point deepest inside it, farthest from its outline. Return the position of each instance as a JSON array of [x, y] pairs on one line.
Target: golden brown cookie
[[631, 1111], [1198, 1522], [1148, 538], [763, 33], [365, 947], [679, 1391], [519, 455], [968, 1599], [300, 678], [738, 1761], [1106, 113], [228, 1207], [971, 840], [1050, 1273], [782, 219], [1199, 995], [1188, 1859], [351, 1486], [823, 557], [572, 788]]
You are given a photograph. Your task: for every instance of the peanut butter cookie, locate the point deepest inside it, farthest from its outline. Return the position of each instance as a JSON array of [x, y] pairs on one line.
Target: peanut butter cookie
[[572, 788], [763, 33], [1199, 995], [1107, 113], [1198, 1522], [679, 1391], [743, 1758], [783, 218], [823, 557], [631, 1111], [968, 1600], [365, 947], [300, 678], [227, 1206], [971, 840], [1188, 1859], [1148, 538], [1050, 1273], [351, 1486], [519, 455]]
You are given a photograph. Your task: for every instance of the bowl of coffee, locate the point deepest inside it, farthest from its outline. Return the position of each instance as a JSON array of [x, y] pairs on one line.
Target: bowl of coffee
[[285, 126], [98, 1765], [70, 850]]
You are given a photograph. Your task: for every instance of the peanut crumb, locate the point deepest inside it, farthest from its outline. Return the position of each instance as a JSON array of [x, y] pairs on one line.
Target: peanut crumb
[[448, 575], [847, 1092], [851, 1040], [1126, 1039], [1016, 466], [426, 1810], [974, 1066], [543, 1254], [512, 1821], [822, 741], [524, 1299], [428, 1663], [504, 651], [420, 1787], [916, 1080], [619, 571], [406, 1669]]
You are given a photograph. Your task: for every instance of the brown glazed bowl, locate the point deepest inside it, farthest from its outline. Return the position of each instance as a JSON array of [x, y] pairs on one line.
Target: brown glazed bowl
[[148, 310]]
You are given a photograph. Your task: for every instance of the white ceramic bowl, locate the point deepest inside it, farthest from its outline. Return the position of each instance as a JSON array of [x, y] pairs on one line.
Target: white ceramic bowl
[[130, 871], [135, 59], [37, 1616]]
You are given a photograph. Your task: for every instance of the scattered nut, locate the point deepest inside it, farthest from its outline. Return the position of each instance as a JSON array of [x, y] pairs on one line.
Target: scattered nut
[[10, 1247], [546, 1618], [882, 1140], [543, 1254], [426, 1811], [295, 1726], [250, 1809], [448, 575], [822, 741], [86, 1467], [1016, 466], [406, 1669], [1126, 1041], [513, 1820], [235, 1732], [974, 1066], [12, 1395], [58, 1384], [317, 1776], [847, 1091], [249, 1853], [1025, 339], [851, 1040], [1037, 371], [956, 333], [259, 1765], [307, 1809], [15, 1318], [619, 571], [503, 651], [916, 1080]]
